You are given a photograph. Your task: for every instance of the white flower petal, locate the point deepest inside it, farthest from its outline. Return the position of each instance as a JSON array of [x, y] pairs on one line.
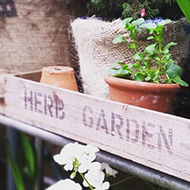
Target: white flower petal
[[108, 169], [106, 185], [91, 157], [68, 166], [83, 168], [94, 167], [91, 149], [65, 184], [91, 179], [100, 177]]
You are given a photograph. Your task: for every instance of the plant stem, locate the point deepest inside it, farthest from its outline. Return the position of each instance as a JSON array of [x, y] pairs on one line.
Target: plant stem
[[149, 184], [119, 182], [135, 45], [90, 186], [160, 56]]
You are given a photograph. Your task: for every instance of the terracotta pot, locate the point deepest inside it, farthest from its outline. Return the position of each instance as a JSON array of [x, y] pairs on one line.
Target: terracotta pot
[[60, 76], [158, 97]]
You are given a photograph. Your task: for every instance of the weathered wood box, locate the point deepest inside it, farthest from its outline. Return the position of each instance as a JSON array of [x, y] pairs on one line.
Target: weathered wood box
[[157, 140]]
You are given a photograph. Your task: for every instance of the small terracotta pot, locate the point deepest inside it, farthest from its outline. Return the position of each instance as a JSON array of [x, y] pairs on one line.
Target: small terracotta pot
[[60, 76], [158, 97]]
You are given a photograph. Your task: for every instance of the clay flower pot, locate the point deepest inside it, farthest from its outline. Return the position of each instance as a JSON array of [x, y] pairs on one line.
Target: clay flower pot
[[158, 97], [60, 76]]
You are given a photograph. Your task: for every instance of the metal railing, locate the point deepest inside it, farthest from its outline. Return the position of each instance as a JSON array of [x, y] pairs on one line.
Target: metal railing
[[143, 172]]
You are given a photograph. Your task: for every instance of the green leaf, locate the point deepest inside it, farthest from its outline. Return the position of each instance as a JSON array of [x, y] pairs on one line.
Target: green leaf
[[138, 21], [148, 78], [164, 22], [174, 70], [30, 156], [119, 72], [165, 51], [150, 49], [127, 20], [139, 77], [151, 38], [131, 46], [184, 5], [170, 44], [130, 28], [148, 25], [154, 75], [137, 66], [137, 56], [170, 61], [168, 56], [17, 174], [118, 39], [118, 63], [179, 81]]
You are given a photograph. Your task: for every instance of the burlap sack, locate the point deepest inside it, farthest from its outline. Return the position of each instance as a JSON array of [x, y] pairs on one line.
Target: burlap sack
[[38, 36], [93, 41]]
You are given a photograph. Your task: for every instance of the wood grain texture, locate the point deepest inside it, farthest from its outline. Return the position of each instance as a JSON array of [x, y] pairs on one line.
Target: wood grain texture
[[157, 140]]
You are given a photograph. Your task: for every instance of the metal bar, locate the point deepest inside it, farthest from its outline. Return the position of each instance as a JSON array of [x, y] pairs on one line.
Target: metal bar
[[13, 138], [125, 165], [143, 172], [39, 145]]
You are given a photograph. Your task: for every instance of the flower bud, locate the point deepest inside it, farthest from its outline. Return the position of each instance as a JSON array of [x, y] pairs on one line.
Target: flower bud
[[143, 13]]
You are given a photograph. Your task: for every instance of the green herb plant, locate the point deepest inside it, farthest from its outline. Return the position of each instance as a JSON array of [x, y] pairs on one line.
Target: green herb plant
[[153, 64]]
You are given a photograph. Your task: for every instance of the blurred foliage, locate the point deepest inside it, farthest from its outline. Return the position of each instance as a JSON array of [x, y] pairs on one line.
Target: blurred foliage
[[126, 8], [25, 170], [185, 5]]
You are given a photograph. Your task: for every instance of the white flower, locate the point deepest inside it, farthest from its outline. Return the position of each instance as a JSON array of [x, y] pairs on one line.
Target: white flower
[[76, 155], [65, 184], [68, 154], [109, 171], [96, 180], [94, 167], [91, 150]]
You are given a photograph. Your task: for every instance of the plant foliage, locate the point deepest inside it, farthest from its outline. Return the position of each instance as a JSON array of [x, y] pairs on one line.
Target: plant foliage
[[185, 5], [25, 170], [126, 8], [154, 63]]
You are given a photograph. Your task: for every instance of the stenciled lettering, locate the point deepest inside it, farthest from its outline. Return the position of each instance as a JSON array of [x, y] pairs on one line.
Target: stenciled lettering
[[49, 104], [163, 138], [44, 104], [59, 106], [114, 125], [28, 99], [128, 129], [87, 111], [146, 134], [37, 96], [102, 122], [136, 125]]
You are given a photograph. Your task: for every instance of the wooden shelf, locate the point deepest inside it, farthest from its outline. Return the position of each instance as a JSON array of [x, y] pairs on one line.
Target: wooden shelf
[[156, 140]]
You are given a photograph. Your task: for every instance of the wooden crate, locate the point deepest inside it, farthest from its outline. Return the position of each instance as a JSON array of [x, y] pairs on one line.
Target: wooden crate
[[157, 140]]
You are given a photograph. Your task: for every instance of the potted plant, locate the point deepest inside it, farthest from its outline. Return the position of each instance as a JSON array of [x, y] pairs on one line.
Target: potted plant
[[153, 78]]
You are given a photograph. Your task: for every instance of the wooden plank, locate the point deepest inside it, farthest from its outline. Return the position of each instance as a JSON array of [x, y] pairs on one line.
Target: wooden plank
[[157, 140]]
